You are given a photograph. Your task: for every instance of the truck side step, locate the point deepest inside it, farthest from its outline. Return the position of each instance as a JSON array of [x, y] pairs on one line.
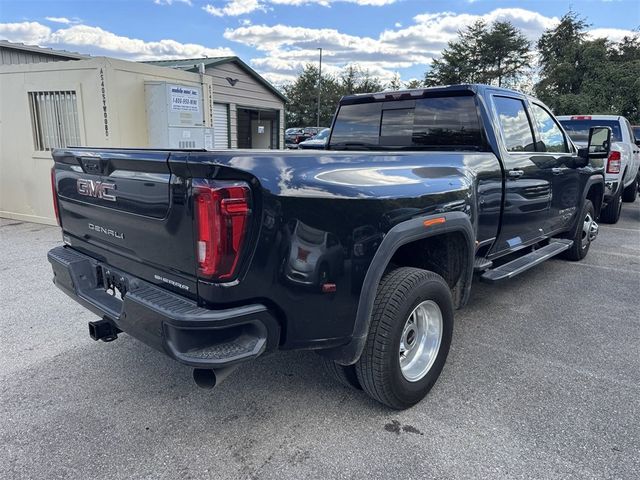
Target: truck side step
[[526, 262], [480, 264]]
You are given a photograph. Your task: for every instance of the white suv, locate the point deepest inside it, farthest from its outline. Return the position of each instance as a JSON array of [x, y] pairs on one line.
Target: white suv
[[621, 169]]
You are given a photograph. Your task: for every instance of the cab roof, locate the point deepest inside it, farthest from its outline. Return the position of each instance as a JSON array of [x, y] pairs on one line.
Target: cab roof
[[460, 89]]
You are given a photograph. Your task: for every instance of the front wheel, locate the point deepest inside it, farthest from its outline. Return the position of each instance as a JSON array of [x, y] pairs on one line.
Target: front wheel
[[409, 337], [586, 232]]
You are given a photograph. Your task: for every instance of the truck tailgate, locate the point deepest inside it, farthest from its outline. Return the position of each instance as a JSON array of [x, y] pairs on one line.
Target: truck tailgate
[[129, 210]]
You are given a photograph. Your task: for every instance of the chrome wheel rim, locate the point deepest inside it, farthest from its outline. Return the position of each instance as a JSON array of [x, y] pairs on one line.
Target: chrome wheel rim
[[420, 340], [589, 230]]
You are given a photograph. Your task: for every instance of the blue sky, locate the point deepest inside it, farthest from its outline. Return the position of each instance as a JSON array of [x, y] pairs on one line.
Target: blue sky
[[277, 37]]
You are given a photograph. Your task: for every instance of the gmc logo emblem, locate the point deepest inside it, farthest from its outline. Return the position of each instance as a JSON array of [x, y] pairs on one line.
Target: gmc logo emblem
[[96, 189]]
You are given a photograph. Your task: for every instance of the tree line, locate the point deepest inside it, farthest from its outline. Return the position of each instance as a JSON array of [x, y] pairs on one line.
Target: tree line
[[569, 71]]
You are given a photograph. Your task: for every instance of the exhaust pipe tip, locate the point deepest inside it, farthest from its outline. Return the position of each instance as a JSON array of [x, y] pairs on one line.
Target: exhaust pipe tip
[[204, 378], [207, 378]]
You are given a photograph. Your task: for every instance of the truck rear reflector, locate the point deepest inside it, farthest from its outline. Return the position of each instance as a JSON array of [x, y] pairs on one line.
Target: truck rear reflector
[[222, 211], [614, 162]]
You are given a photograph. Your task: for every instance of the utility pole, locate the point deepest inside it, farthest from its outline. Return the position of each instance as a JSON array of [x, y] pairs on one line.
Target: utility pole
[[319, 84]]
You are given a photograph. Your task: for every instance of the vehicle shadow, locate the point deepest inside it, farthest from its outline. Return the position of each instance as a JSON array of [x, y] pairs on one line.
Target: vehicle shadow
[[112, 373]]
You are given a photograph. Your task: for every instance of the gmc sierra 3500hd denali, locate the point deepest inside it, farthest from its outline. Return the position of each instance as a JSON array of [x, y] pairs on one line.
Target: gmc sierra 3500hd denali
[[361, 251]]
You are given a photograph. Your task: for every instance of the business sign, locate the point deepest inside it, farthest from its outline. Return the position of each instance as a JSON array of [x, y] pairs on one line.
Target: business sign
[[184, 99]]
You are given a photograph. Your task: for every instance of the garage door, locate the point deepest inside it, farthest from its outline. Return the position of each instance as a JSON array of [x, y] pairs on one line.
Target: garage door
[[220, 126]]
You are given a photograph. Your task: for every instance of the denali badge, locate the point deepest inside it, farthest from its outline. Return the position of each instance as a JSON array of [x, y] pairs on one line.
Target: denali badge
[[97, 189], [106, 231]]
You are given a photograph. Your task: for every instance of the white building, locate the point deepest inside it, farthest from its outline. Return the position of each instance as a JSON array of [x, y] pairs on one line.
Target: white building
[[56, 99]]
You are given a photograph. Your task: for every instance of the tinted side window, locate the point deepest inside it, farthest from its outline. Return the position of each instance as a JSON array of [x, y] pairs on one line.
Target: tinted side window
[[516, 128], [358, 123], [550, 134]]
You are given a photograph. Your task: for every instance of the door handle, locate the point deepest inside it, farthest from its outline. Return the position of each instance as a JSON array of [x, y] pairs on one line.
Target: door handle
[[557, 170], [516, 173]]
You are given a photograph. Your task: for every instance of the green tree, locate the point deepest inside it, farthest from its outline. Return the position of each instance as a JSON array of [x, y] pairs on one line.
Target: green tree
[[414, 84], [395, 83], [560, 55], [506, 54], [583, 76], [302, 99], [354, 79], [461, 61], [302, 94], [494, 54]]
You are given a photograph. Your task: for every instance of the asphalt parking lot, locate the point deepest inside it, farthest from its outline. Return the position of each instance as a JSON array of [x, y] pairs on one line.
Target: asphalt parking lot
[[543, 381]]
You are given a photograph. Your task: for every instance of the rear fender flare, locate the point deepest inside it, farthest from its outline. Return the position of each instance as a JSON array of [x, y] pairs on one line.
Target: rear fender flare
[[401, 234], [591, 181]]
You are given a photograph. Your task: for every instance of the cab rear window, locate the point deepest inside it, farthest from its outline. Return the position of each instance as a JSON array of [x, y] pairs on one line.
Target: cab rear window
[[439, 123]]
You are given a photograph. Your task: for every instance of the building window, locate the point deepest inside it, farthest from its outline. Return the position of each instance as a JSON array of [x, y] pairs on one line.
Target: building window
[[54, 119]]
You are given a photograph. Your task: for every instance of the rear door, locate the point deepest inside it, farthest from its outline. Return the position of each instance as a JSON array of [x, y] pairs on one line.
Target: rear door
[[129, 209], [526, 213]]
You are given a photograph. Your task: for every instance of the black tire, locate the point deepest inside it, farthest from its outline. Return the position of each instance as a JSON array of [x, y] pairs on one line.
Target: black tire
[[378, 369], [578, 251], [611, 213], [345, 375], [630, 193]]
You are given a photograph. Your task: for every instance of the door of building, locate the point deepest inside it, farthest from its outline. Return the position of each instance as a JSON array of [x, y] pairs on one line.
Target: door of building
[[261, 134]]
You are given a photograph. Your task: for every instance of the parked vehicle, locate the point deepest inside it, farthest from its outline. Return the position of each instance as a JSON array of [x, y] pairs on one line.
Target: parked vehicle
[[197, 254], [621, 177], [636, 133], [317, 142], [294, 136]]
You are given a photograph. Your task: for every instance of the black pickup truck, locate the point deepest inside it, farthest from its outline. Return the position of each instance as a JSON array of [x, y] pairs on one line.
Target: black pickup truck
[[361, 252]]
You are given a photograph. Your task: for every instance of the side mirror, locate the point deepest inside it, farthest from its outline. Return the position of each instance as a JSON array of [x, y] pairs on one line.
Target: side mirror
[[599, 142], [599, 146]]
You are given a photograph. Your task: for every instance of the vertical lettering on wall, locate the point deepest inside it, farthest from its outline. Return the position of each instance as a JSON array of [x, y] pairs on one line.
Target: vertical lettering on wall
[[210, 106], [104, 105]]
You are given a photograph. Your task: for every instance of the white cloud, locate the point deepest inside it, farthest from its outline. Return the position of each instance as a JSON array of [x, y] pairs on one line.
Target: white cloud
[[63, 20], [171, 2], [25, 32], [234, 8], [96, 41], [611, 34], [288, 48]]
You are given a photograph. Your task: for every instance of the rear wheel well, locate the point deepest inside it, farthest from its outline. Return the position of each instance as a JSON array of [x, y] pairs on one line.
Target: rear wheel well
[[446, 254]]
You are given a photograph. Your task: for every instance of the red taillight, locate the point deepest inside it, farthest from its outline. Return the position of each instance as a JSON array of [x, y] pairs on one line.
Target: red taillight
[[222, 213], [54, 192], [614, 162], [581, 117]]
